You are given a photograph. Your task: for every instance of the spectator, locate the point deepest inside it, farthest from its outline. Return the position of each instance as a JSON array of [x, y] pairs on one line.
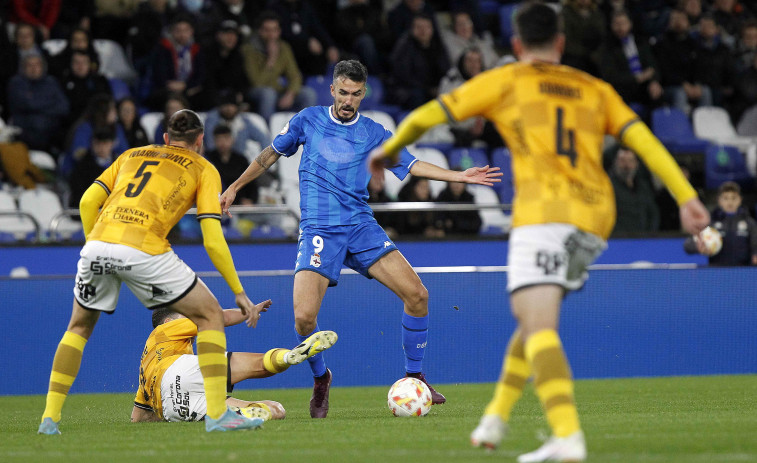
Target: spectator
[[477, 128], [94, 161], [359, 29], [267, 60], [400, 18], [230, 163], [745, 49], [23, 44], [37, 105], [677, 54], [80, 81], [174, 103], [692, 8], [16, 166], [714, 64], [737, 228], [145, 31], [129, 123], [178, 66], [585, 30], [457, 222], [112, 19], [74, 14], [100, 114], [42, 15], [730, 15], [311, 43], [225, 62], [462, 36], [634, 195], [79, 40], [418, 61], [628, 65], [242, 130], [418, 223], [744, 91], [242, 12]]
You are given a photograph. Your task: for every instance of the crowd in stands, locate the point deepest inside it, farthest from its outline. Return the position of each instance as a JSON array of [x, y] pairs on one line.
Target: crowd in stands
[[78, 76]]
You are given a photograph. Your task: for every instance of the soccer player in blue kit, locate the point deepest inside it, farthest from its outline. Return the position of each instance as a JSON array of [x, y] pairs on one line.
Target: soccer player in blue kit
[[337, 225]]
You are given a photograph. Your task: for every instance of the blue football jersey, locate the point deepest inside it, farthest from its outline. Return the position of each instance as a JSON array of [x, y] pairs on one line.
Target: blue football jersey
[[333, 171]]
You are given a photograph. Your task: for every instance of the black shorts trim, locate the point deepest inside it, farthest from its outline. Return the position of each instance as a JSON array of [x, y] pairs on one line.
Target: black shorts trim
[[367, 273], [332, 282], [91, 309], [173, 301], [531, 285], [229, 386]]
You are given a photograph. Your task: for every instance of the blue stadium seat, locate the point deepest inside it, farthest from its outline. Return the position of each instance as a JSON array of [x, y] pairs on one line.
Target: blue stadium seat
[[467, 157], [505, 189], [374, 95], [322, 87], [119, 88], [506, 31], [267, 232], [723, 163], [674, 130]]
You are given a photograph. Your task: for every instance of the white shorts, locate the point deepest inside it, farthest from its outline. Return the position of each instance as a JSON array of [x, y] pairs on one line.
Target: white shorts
[[182, 390], [157, 281], [552, 253]]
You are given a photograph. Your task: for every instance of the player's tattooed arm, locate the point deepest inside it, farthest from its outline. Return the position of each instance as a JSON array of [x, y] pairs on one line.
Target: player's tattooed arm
[[267, 157]]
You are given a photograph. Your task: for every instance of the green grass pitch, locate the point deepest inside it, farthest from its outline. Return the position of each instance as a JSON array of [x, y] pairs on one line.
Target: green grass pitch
[[679, 419]]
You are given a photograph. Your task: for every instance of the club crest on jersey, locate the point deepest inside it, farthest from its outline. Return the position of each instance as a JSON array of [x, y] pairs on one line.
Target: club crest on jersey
[[285, 129], [315, 260]]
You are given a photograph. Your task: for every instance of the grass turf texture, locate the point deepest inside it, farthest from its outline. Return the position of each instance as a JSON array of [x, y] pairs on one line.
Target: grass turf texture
[[679, 419]]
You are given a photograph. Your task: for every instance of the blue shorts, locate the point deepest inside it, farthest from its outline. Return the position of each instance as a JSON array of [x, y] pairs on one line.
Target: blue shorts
[[325, 249]]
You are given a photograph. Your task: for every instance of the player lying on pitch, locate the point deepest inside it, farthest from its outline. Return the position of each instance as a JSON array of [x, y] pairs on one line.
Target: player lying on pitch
[[170, 383]]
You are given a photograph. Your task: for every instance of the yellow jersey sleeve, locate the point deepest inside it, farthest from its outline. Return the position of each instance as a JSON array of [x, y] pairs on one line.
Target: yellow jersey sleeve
[[208, 194], [478, 96], [619, 115], [107, 180]]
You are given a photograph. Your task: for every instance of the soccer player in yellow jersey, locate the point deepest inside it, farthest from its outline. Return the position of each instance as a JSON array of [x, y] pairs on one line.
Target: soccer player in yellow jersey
[[553, 119], [143, 194], [170, 383]]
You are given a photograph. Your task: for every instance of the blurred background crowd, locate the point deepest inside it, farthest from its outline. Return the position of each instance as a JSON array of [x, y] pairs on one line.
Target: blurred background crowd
[[82, 81]]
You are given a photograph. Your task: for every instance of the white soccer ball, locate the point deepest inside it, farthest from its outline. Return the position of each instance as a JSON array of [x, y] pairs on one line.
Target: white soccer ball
[[712, 240], [409, 397]]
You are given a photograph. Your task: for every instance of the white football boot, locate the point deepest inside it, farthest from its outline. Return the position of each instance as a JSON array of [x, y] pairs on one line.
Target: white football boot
[[566, 449], [489, 432]]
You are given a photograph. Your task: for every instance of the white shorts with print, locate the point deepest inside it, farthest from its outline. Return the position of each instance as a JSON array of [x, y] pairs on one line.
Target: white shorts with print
[[182, 390], [552, 253], [156, 280]]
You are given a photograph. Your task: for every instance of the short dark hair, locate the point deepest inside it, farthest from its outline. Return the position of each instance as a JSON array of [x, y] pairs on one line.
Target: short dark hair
[[536, 24], [185, 125], [351, 69], [267, 15], [221, 129], [729, 187], [159, 316], [104, 134]]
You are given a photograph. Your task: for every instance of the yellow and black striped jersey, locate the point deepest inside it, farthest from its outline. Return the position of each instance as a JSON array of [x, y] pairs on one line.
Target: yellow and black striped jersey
[[149, 190], [553, 118], [164, 346]]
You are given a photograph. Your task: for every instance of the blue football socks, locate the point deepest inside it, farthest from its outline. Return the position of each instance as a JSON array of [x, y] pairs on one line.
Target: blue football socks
[[414, 335], [317, 363]]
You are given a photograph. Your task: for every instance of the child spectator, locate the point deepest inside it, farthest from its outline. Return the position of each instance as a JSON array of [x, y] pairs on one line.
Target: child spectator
[[738, 229]]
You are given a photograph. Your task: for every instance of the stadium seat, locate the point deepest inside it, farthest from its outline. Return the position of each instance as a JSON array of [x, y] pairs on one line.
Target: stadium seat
[[119, 88], [493, 221], [54, 46], [382, 118], [505, 189], [12, 227], [374, 95], [259, 122], [278, 121], [267, 232], [674, 130], [747, 126], [713, 123], [150, 122], [725, 163], [42, 159], [432, 156], [44, 205], [466, 158], [322, 87], [113, 60]]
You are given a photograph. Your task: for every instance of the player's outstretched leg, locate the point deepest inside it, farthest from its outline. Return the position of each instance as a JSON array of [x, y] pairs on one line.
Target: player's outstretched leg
[[312, 345], [254, 411], [232, 421]]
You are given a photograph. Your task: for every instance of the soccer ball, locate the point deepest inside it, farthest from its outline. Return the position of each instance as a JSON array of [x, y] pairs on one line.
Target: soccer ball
[[409, 397], [712, 239]]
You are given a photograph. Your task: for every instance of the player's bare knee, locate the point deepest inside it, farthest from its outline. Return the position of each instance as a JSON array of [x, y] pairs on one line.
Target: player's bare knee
[[304, 324], [416, 301]]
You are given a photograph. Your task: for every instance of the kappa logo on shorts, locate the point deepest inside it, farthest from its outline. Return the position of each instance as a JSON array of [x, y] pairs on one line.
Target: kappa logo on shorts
[[315, 260], [387, 244]]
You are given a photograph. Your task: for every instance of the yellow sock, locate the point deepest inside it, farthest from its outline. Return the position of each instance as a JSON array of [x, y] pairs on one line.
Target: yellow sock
[[66, 365], [273, 360], [553, 381], [515, 373], [211, 355]]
